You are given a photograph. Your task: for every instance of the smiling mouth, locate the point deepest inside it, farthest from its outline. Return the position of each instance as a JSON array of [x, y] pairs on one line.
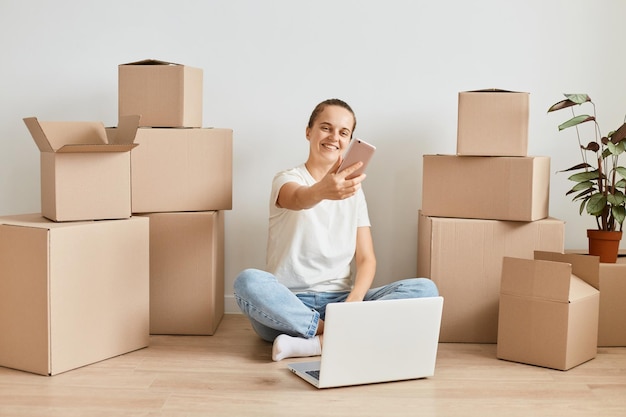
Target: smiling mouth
[[330, 147]]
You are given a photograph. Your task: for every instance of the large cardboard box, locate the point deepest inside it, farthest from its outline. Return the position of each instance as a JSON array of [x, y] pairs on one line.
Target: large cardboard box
[[182, 170], [492, 123], [549, 310], [163, 93], [186, 272], [464, 258], [483, 187], [71, 293], [85, 168], [612, 286]]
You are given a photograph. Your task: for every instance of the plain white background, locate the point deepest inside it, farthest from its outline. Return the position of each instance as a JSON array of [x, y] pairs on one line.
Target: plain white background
[[400, 64]]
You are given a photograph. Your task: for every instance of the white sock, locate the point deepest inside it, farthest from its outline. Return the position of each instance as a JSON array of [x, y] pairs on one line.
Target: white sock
[[286, 346]]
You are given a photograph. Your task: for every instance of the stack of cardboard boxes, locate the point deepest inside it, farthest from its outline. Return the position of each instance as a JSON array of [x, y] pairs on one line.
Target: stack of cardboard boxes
[[487, 203], [77, 279], [74, 280], [181, 181]]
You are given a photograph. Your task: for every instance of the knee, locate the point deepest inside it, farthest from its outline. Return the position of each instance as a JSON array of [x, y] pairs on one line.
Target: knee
[[244, 281], [425, 287], [250, 280]]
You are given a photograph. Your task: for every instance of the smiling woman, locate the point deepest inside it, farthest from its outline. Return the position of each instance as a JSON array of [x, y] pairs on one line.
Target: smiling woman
[[319, 224]]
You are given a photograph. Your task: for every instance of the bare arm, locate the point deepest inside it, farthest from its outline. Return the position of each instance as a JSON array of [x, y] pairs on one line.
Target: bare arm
[[333, 186], [365, 264]]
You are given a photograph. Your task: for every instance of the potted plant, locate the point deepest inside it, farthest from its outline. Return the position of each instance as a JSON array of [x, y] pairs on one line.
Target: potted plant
[[599, 180]]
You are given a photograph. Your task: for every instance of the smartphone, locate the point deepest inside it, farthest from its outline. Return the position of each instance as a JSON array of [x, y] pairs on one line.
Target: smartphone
[[358, 150]]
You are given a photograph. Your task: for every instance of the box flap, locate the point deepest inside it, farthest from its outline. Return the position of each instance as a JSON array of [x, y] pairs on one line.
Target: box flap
[[52, 136], [125, 132], [75, 137], [536, 279], [150, 62], [580, 289], [585, 267], [95, 148]]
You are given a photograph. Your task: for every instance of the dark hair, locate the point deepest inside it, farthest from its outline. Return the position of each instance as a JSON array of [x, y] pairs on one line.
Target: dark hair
[[330, 102]]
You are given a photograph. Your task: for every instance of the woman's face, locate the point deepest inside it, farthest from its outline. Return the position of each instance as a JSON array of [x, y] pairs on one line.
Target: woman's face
[[330, 134]]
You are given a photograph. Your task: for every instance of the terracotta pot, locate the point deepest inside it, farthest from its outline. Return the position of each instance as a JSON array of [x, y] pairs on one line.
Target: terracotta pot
[[604, 244]]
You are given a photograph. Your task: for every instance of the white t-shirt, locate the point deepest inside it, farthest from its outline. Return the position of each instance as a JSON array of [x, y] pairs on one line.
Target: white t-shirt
[[312, 249]]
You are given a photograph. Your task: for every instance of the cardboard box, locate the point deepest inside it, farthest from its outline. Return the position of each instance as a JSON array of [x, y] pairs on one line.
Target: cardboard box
[[182, 170], [492, 123], [549, 310], [612, 317], [464, 258], [72, 293], [163, 93], [483, 187], [612, 286], [186, 272], [85, 168]]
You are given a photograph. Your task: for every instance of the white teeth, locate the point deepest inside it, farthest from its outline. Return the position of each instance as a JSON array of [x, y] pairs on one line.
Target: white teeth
[[331, 147]]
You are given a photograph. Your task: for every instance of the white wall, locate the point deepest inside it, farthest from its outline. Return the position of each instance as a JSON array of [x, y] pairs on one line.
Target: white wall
[[400, 64]]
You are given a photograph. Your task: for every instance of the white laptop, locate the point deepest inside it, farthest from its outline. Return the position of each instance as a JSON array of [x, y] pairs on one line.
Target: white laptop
[[376, 341]]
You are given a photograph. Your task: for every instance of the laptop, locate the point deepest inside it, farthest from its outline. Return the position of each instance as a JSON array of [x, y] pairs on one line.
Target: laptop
[[376, 341]]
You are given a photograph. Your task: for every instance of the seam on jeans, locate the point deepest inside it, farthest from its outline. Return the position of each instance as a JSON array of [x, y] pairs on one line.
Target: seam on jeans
[[285, 325]]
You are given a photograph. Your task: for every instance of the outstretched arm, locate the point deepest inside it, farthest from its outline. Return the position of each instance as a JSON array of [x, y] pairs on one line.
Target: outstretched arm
[[333, 186]]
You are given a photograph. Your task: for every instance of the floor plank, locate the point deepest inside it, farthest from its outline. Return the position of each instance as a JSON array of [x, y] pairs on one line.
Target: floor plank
[[231, 374]]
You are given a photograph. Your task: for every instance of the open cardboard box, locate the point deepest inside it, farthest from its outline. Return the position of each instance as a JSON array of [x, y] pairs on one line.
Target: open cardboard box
[[85, 168], [549, 310], [612, 285]]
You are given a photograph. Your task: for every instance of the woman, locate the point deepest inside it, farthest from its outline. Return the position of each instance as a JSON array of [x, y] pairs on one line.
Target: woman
[[318, 224]]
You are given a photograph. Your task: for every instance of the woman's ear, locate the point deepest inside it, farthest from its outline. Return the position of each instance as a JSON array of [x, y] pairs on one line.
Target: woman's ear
[[306, 133]]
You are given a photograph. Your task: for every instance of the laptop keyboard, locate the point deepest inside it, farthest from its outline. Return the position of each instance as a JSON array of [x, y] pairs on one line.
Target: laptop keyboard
[[315, 374]]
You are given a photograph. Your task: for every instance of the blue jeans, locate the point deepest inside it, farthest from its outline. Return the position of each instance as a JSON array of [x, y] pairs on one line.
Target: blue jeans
[[273, 309]]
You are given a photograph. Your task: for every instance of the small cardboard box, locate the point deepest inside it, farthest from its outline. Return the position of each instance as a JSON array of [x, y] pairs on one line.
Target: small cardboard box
[[163, 93], [464, 258], [486, 187], [85, 168], [612, 285], [186, 272], [492, 123], [71, 293], [182, 170], [549, 310]]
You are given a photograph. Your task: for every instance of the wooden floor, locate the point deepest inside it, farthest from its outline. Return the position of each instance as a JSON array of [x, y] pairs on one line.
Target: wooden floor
[[231, 374]]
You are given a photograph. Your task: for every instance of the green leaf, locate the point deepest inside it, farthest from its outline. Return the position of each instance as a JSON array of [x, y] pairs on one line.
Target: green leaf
[[615, 199], [584, 176], [581, 186], [619, 213], [578, 98], [581, 209], [576, 121], [621, 171], [596, 204], [614, 149]]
